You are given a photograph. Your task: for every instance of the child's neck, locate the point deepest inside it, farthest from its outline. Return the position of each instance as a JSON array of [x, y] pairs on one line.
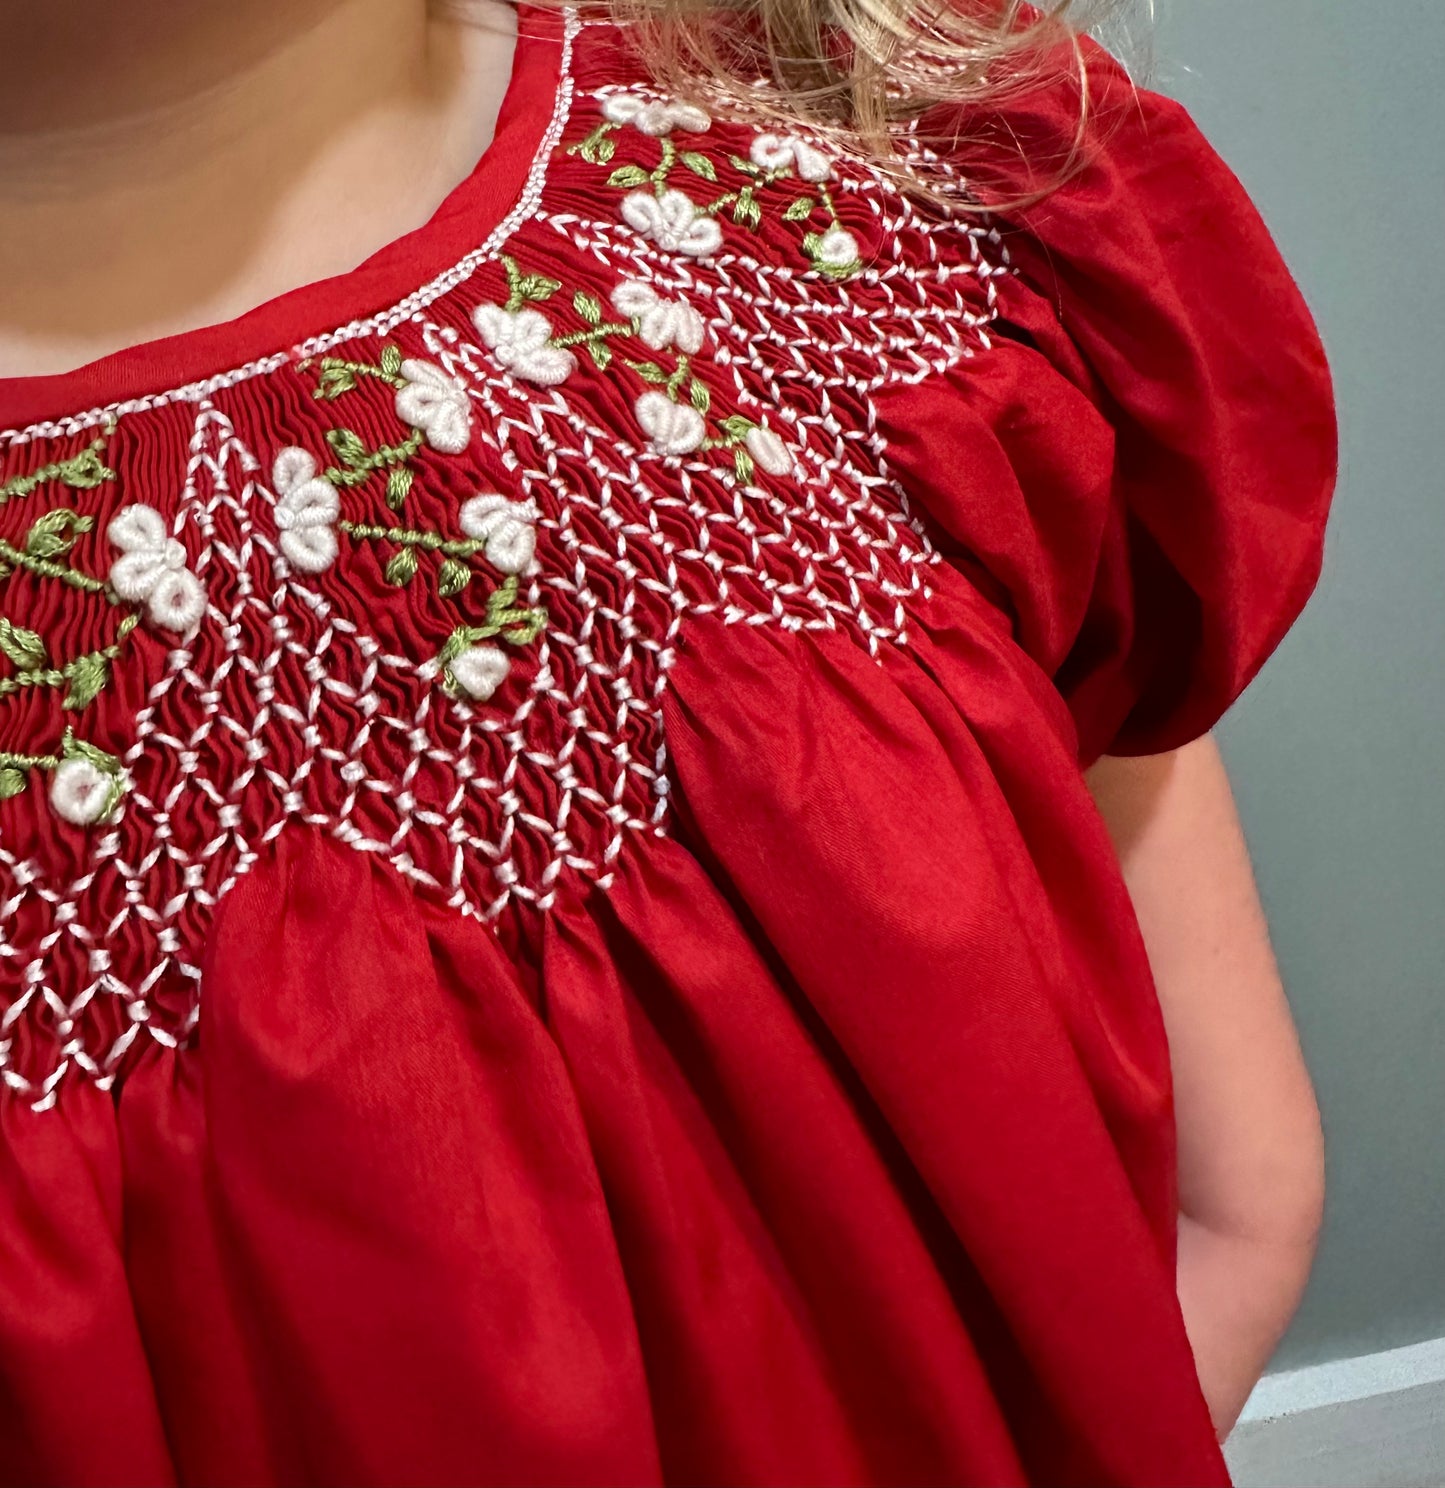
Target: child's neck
[[166, 164]]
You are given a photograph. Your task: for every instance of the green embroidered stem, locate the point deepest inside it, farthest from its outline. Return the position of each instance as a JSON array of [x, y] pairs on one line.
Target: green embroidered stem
[[522, 288], [630, 177], [679, 376], [10, 761], [84, 677], [519, 624], [594, 333], [735, 430], [452, 577], [505, 618], [81, 472], [48, 568], [409, 537], [672, 382], [339, 376], [361, 462], [17, 683], [597, 148], [746, 211], [669, 159]]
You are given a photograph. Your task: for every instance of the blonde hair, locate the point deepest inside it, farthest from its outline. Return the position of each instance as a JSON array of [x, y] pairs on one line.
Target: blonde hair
[[864, 71]]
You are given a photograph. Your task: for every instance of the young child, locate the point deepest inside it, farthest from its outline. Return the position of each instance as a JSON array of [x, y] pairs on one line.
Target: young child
[[603, 816]]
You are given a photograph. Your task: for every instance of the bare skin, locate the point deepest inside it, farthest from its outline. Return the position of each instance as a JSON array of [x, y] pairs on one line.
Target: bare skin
[[166, 164], [1251, 1154]]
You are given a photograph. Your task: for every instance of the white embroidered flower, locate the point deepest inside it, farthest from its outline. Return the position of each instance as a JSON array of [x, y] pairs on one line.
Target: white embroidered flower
[[654, 118], [777, 152], [82, 793], [520, 341], [151, 571], [505, 528], [768, 450], [672, 221], [661, 323], [436, 404], [306, 513], [674, 428], [479, 671], [837, 249]]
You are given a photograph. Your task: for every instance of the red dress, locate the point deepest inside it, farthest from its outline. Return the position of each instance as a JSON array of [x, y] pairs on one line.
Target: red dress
[[552, 927]]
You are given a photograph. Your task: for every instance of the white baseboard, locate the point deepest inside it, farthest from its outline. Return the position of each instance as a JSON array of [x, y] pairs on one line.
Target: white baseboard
[[1372, 1422]]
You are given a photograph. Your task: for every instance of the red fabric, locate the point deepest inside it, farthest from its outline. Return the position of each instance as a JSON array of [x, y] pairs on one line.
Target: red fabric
[[825, 1136]]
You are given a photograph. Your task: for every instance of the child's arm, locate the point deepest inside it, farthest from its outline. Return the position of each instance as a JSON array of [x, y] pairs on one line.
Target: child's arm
[[1250, 1148]]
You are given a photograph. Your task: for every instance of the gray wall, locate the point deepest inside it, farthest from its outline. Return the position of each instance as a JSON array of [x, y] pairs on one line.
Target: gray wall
[[1331, 112]]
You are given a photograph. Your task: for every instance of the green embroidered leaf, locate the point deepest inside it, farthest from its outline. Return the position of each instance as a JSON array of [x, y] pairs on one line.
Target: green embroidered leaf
[[87, 677], [12, 782], [601, 354], [589, 307], [628, 175], [537, 287], [799, 209], [73, 748], [85, 471], [513, 273], [22, 646], [398, 485], [810, 243], [745, 166], [402, 568], [348, 447], [648, 371], [502, 597], [455, 644], [596, 149], [840, 271], [746, 211], [452, 577], [699, 165], [699, 397], [54, 534], [737, 425], [391, 360], [335, 380], [743, 466], [526, 626]]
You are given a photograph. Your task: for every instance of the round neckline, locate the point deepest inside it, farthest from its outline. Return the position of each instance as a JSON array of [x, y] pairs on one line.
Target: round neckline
[[463, 221]]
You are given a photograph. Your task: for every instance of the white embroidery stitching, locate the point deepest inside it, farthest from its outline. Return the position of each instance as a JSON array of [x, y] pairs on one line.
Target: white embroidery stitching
[[673, 222], [654, 116], [521, 342], [306, 513], [436, 404], [305, 694], [507, 528], [151, 571]]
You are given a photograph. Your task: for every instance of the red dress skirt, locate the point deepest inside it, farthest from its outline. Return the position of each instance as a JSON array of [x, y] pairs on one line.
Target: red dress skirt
[[551, 927]]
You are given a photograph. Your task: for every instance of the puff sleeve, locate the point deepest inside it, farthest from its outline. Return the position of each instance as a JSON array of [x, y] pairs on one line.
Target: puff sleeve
[[1161, 399]]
